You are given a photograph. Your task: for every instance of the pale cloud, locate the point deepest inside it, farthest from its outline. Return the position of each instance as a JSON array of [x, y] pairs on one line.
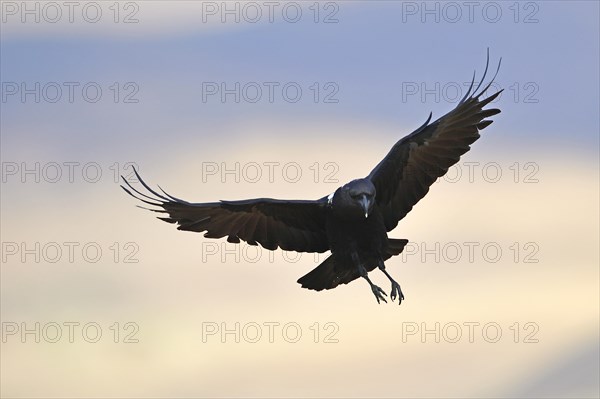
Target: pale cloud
[[140, 19]]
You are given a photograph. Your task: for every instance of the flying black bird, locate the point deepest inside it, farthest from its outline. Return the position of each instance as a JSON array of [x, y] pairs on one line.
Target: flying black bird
[[353, 222]]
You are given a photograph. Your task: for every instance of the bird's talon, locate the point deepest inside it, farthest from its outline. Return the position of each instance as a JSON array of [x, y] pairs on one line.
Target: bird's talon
[[396, 292], [377, 291]]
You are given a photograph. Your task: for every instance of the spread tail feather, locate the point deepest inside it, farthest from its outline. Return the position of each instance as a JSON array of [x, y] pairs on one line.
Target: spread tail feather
[[332, 273], [395, 247]]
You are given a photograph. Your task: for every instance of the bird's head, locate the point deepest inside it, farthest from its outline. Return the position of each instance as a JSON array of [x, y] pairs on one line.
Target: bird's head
[[355, 199]]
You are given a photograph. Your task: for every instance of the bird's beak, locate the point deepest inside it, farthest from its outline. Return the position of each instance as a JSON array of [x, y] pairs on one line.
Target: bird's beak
[[364, 202]]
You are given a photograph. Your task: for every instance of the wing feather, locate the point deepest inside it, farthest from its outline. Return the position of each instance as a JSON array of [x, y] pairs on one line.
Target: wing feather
[[291, 225], [416, 161]]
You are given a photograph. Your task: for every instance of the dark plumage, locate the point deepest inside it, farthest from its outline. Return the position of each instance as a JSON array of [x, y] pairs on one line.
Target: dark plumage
[[354, 221]]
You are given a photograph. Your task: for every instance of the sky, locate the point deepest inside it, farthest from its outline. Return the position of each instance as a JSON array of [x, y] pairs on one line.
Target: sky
[[234, 100]]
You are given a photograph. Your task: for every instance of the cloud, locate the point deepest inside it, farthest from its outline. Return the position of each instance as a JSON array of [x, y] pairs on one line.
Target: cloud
[[135, 19], [143, 19]]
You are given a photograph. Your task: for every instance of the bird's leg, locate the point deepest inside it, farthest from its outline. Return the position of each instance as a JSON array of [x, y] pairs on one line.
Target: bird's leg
[[377, 291], [396, 291]]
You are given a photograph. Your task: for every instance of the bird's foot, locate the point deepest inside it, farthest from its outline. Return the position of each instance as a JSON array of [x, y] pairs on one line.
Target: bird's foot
[[396, 292], [379, 293]]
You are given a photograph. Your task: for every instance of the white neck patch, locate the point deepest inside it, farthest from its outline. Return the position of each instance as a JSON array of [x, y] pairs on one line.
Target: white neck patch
[[330, 199]]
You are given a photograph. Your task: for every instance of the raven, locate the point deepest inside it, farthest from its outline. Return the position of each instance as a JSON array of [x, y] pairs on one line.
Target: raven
[[353, 222]]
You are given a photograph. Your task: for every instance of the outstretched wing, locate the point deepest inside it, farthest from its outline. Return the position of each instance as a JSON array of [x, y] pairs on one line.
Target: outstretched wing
[[414, 163], [290, 225]]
